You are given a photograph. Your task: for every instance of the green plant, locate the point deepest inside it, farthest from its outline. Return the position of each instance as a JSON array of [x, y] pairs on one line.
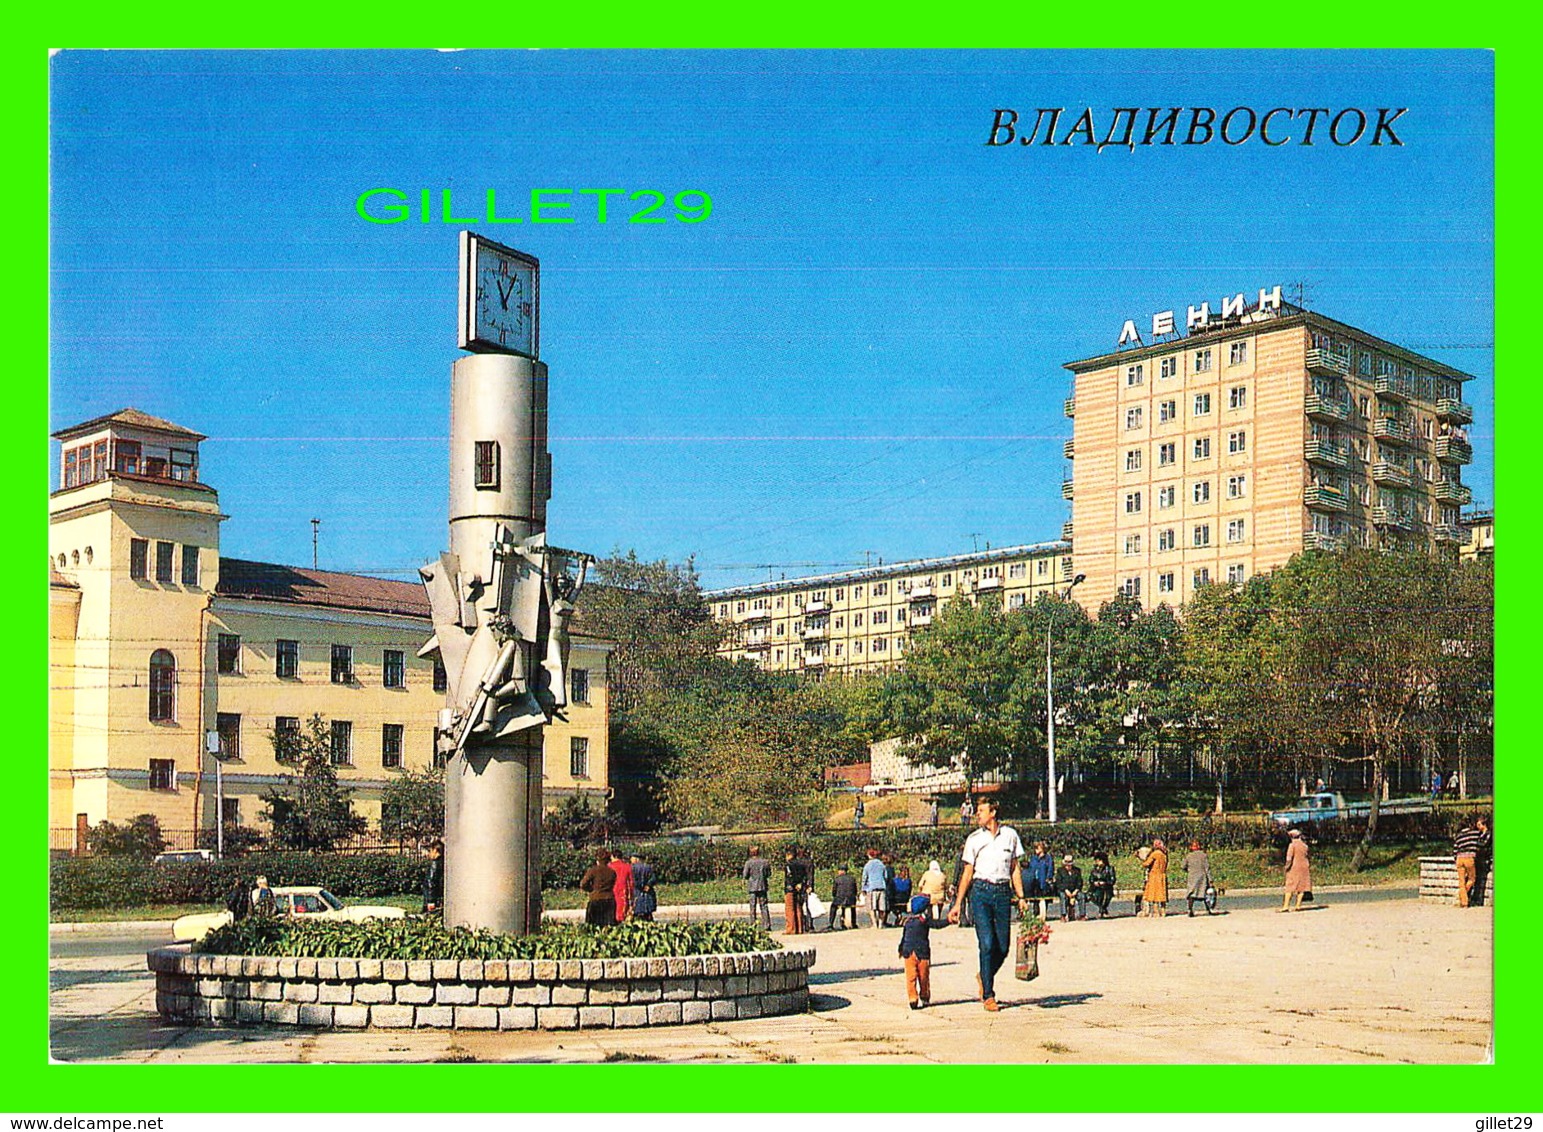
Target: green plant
[[140, 838], [1032, 927]]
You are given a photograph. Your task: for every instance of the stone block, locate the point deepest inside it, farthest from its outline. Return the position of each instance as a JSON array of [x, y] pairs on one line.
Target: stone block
[[369, 993], [305, 968], [176, 984], [749, 1007], [742, 964], [476, 1018], [696, 964], [758, 984], [517, 1018], [393, 970], [663, 1013], [470, 971], [723, 1010], [496, 970], [774, 1004], [712, 965], [326, 969], [677, 967], [636, 968], [415, 994], [348, 969], [420, 970], [631, 1016], [695, 1011], [351, 1017], [215, 1009], [159, 960], [445, 970], [454, 994], [289, 967], [518, 970], [678, 990], [266, 990], [313, 1015], [798, 1001], [299, 992], [392, 1017], [335, 992], [645, 990], [281, 1013], [557, 1017], [658, 968], [709, 988], [530, 994], [569, 994], [212, 988], [249, 1010], [608, 993], [268, 967], [251, 967], [435, 1017], [493, 994], [369, 969], [548, 969], [736, 985], [595, 1017], [591, 970], [613, 968]]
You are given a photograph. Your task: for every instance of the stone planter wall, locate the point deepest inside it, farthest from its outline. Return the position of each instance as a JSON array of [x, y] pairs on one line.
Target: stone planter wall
[[1438, 881], [477, 994]]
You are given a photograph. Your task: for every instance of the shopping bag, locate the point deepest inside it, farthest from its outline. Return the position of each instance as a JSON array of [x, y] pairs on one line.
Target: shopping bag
[[816, 905], [1026, 966]]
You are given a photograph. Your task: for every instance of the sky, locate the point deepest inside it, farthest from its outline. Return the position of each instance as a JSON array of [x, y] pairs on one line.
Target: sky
[[856, 357]]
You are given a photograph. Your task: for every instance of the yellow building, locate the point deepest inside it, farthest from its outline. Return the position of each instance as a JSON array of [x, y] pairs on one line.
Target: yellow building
[[861, 620], [1217, 454], [168, 662], [1479, 526]]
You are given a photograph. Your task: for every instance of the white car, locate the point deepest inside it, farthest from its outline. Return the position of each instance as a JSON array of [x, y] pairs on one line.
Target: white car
[[302, 901]]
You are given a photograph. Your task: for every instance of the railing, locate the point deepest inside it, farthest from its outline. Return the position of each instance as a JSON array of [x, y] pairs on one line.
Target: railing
[[756, 644], [1069, 407], [922, 592], [992, 583], [1322, 540], [753, 615], [1066, 531], [1391, 388], [816, 607], [1450, 491], [1066, 489], [1327, 408], [1395, 475], [1385, 516], [814, 632], [1455, 411], [1391, 430], [1450, 532], [814, 660], [1068, 448], [1327, 452], [1453, 450], [1322, 497], [1323, 362]]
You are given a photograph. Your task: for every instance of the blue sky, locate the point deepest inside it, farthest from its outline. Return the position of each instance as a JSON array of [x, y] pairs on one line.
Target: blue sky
[[859, 353]]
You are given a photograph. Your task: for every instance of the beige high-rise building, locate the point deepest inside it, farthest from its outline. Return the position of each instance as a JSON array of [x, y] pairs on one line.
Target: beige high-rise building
[[1218, 454]]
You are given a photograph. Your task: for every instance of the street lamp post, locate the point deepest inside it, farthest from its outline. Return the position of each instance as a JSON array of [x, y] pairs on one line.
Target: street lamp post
[[1050, 699]]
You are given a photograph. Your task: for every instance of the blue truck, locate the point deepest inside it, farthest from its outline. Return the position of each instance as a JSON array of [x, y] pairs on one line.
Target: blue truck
[[1329, 806]]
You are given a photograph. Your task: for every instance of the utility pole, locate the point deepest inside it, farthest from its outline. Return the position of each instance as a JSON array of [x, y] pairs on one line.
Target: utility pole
[[1050, 699], [315, 543]]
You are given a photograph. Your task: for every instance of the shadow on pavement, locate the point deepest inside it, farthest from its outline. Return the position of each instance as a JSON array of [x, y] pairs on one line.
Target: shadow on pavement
[[1054, 1001], [860, 973], [64, 978], [820, 1003]]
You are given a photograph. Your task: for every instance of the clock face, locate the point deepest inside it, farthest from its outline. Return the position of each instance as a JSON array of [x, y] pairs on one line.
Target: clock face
[[499, 300]]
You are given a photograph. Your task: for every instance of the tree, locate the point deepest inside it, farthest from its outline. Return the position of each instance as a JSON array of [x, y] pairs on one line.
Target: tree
[[412, 806], [140, 838], [311, 810]]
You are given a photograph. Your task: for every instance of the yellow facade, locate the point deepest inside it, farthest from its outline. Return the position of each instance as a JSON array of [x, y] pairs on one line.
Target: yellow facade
[[141, 681], [862, 620]]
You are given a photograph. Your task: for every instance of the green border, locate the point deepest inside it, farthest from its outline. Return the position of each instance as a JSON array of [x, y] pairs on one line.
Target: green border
[[1506, 1086]]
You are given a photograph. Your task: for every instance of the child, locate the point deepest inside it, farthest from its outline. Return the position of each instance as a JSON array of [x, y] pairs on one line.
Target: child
[[916, 950]]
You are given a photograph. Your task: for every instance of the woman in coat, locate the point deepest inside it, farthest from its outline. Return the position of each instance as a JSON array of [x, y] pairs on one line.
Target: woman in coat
[[934, 886], [1299, 878], [599, 882], [1154, 897]]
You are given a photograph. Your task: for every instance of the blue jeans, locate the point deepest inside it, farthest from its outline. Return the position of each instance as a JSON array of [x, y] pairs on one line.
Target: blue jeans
[[991, 907]]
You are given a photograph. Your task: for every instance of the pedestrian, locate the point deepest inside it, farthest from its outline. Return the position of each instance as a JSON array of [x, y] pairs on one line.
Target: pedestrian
[[1483, 859], [1154, 896], [1197, 869], [934, 886], [932, 813], [857, 813], [239, 902], [1299, 875], [599, 881], [916, 950], [900, 892], [624, 887], [1465, 853], [1101, 882], [1435, 787], [264, 902], [757, 875], [792, 893], [992, 876], [1039, 878], [1452, 785], [1320, 787], [1142, 854], [434, 879], [806, 872], [645, 902], [875, 889], [1068, 882], [966, 812], [843, 900]]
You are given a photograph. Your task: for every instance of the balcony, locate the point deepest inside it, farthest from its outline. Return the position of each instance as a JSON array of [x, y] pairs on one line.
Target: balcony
[[1450, 532], [753, 615], [1322, 540], [992, 584], [1392, 430], [814, 660], [1453, 411], [757, 644], [818, 606], [1322, 497], [1066, 569], [1450, 491], [1385, 516], [922, 591], [1390, 474], [1066, 531], [920, 620], [814, 632], [1327, 364], [1066, 489], [1321, 408], [1068, 449], [1069, 407], [1449, 450], [1390, 388], [1328, 453]]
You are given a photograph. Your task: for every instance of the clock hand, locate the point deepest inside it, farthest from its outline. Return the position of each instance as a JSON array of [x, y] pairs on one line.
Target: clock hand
[[503, 296]]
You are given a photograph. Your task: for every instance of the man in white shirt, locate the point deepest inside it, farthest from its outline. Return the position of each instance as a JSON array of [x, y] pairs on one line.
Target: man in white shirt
[[991, 877]]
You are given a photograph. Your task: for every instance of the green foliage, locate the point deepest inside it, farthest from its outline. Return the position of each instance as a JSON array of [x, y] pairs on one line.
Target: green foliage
[[312, 809], [412, 806], [239, 840], [139, 838], [426, 937]]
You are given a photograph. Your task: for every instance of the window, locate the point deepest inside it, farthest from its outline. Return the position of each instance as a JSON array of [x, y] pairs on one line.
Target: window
[[440, 758], [1202, 447], [1168, 367], [1132, 544], [286, 738], [1202, 577], [881, 644], [1202, 404], [441, 677], [1203, 361], [391, 745], [1017, 570], [1042, 567], [948, 579], [286, 659], [857, 620], [1235, 530], [880, 616], [1202, 534], [165, 560], [1202, 491], [230, 811], [1364, 407], [228, 726], [486, 469], [1131, 587], [1235, 574], [228, 655], [1165, 539], [163, 687], [342, 742], [1167, 454], [342, 664], [1165, 497], [1237, 354], [1237, 397], [880, 589], [1165, 583], [1133, 375], [578, 757], [393, 672], [190, 565], [1133, 460], [1237, 487], [1133, 417], [1133, 502], [1364, 494], [163, 774], [1237, 442], [578, 683], [1428, 427]]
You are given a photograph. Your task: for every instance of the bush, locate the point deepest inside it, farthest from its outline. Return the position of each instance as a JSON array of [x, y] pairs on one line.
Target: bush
[[426, 937], [141, 838]]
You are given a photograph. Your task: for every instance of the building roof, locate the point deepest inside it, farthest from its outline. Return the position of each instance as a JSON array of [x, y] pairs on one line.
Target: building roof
[[269, 581], [59, 580], [134, 418], [892, 569]]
